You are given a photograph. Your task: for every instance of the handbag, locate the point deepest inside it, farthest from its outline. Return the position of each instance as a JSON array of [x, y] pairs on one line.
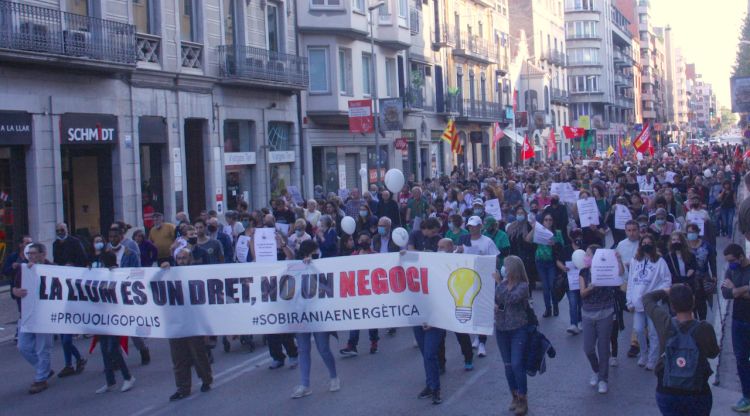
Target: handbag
[[531, 318]]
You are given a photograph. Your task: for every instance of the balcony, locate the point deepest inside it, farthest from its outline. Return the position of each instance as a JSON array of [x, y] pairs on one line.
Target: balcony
[[475, 48], [443, 37], [475, 111], [148, 48], [393, 31], [555, 57], [559, 96], [48, 36], [414, 99], [340, 20], [262, 68], [648, 96]]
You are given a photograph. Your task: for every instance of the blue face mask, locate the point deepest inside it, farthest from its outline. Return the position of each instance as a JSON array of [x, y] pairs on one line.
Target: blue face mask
[[659, 222], [363, 214], [692, 236], [451, 226], [734, 265], [520, 218], [99, 246], [478, 211], [381, 231], [503, 272]]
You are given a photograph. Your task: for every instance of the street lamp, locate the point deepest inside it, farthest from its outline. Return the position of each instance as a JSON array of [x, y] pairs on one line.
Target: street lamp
[[374, 88]]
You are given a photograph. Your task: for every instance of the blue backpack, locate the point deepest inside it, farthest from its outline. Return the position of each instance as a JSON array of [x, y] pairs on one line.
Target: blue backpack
[[685, 368]]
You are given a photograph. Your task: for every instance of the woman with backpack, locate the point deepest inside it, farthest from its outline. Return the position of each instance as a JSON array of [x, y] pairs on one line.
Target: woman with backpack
[[686, 344]]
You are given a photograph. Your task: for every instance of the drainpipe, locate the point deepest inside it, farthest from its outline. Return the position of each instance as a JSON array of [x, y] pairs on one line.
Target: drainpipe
[[300, 162]]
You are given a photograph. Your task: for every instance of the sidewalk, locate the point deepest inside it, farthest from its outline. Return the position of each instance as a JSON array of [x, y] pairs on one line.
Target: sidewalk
[[8, 315]]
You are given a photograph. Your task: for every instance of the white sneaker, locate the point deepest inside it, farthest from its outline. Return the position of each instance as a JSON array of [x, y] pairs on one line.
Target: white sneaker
[[580, 327], [475, 343], [334, 384], [127, 384], [293, 362], [594, 380], [301, 391], [481, 350], [106, 389], [603, 387], [613, 362], [573, 330], [642, 362]]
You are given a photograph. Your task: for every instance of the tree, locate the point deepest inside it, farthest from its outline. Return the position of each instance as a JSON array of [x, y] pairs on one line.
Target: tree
[[728, 118], [742, 63]]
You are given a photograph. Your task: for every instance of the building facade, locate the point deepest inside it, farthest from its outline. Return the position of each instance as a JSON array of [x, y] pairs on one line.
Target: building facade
[[147, 106]]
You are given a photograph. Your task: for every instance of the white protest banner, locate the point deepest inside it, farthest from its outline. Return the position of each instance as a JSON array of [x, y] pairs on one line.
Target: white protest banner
[[697, 218], [454, 292], [622, 216], [565, 191], [283, 228], [242, 249], [669, 177], [264, 243], [573, 274], [492, 207], [541, 234], [588, 212], [605, 270]]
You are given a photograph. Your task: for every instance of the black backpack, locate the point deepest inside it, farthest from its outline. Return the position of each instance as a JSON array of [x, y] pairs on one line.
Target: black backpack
[[685, 367]]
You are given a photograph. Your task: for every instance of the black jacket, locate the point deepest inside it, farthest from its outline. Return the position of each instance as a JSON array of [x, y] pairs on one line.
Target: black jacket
[[389, 209], [69, 251]]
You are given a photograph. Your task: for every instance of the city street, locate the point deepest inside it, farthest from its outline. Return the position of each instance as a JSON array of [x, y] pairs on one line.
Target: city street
[[384, 383]]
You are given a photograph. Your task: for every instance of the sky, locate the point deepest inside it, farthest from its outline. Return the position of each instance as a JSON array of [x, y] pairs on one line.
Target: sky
[[707, 32]]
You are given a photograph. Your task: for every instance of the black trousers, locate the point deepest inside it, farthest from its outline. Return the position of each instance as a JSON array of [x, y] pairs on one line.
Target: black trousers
[[277, 341], [464, 341]]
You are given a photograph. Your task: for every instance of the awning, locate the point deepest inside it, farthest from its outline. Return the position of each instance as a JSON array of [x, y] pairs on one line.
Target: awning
[[513, 136]]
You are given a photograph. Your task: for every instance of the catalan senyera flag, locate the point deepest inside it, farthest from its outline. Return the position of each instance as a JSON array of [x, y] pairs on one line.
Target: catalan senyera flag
[[450, 135], [643, 141], [619, 149]]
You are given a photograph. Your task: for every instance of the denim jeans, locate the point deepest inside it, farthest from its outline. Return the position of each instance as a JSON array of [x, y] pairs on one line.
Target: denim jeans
[[69, 350], [354, 337], [741, 346], [278, 342], [110, 346], [512, 345], [673, 405], [651, 354], [574, 306], [727, 220], [596, 336], [35, 349], [429, 342], [546, 271], [304, 346]]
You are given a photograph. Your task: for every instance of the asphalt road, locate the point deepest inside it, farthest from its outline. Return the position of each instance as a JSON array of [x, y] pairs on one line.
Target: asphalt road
[[384, 383]]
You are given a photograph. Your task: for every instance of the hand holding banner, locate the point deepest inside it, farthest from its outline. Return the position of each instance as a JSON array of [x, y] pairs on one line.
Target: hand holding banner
[[242, 249], [542, 235]]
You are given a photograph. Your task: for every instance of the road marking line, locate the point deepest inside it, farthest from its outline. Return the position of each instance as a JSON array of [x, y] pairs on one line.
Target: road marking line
[[458, 393]]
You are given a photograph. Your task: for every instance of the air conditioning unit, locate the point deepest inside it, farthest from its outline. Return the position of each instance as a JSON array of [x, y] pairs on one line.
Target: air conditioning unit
[[77, 42], [33, 36]]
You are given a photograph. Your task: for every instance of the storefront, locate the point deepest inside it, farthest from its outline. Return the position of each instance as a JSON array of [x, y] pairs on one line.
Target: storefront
[[239, 161], [15, 137], [86, 143], [152, 147]]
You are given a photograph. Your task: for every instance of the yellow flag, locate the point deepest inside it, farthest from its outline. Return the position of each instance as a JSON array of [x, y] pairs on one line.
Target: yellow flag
[[610, 151]]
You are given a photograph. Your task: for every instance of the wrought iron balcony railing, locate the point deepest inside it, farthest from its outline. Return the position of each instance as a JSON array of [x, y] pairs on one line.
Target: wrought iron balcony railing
[[263, 66], [47, 31]]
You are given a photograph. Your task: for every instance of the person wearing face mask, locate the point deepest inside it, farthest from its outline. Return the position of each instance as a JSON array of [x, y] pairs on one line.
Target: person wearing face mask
[[736, 286], [705, 280], [147, 249], [382, 241], [477, 208], [299, 234], [662, 229], [680, 260], [67, 250], [365, 221], [326, 237], [597, 309], [494, 232], [517, 229], [648, 272], [125, 256], [215, 232], [456, 228], [559, 212]]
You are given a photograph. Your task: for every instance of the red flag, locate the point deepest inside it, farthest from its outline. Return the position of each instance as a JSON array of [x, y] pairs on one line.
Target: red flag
[[573, 132], [643, 141], [737, 153], [497, 134], [551, 144], [650, 148], [527, 152], [619, 148]]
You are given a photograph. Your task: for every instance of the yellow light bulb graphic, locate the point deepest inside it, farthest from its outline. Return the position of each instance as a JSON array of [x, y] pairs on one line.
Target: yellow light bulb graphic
[[464, 285]]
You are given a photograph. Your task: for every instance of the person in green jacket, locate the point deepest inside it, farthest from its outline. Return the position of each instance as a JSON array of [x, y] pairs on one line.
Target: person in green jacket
[[456, 228], [502, 242]]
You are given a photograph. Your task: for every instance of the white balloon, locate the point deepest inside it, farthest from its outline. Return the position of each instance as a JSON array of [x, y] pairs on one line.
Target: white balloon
[[578, 257], [400, 236], [665, 155], [348, 225], [394, 180], [707, 173]]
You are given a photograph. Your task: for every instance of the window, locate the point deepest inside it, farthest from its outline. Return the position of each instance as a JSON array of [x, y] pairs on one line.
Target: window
[[359, 5], [239, 137], [229, 23], [579, 4], [278, 136], [390, 77], [325, 4], [584, 83], [345, 71], [77, 7], [318, 61], [366, 74], [403, 9], [273, 27], [581, 29], [190, 20], [583, 56], [145, 14]]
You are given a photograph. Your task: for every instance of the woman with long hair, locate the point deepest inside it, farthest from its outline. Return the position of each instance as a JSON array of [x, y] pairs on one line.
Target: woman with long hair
[[511, 325], [705, 276], [680, 260], [648, 272], [517, 229], [547, 259]]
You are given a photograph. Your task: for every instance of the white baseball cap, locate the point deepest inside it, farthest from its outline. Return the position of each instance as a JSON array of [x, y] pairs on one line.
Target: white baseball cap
[[474, 220]]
